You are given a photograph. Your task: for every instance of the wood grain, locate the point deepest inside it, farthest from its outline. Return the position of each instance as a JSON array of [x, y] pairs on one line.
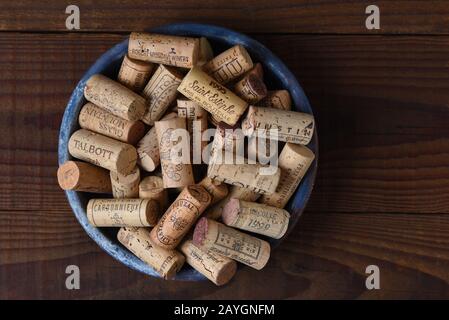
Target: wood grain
[[254, 16], [380, 198]]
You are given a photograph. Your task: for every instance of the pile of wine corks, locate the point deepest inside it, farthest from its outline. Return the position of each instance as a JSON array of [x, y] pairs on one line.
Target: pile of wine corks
[[169, 212]]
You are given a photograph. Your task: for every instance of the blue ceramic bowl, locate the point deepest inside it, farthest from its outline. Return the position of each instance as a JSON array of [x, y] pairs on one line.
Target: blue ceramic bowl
[[277, 76]]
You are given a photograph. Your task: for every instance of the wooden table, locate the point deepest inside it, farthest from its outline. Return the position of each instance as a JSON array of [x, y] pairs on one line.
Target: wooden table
[[381, 99]]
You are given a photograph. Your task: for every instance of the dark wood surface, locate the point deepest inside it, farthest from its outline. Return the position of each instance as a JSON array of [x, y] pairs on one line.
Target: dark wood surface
[[381, 103]]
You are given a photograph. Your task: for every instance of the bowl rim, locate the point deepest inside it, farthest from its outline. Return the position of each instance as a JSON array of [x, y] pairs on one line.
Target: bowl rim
[[284, 75]]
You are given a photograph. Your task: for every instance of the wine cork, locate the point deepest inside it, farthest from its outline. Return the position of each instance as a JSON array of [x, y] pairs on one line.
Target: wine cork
[[81, 176], [294, 162], [229, 64], [213, 97], [122, 212], [114, 97], [99, 120], [103, 151], [255, 177], [192, 112], [134, 74], [164, 49], [218, 238], [125, 186], [216, 189], [148, 148], [175, 172], [206, 52], [257, 70], [215, 212], [165, 262], [256, 217], [251, 89], [152, 187], [229, 138], [290, 126], [180, 217], [216, 268], [278, 99], [160, 92]]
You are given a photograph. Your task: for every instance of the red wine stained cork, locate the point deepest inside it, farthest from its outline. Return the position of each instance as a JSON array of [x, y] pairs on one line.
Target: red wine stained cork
[[114, 97], [160, 92], [165, 262], [176, 172], [103, 151], [164, 49], [251, 89], [214, 212], [216, 189], [218, 238], [294, 162], [290, 126], [134, 74], [99, 120], [215, 267], [148, 148], [213, 97], [278, 99], [152, 187], [81, 176], [255, 177], [206, 52], [125, 186], [256, 217], [257, 70], [180, 217], [229, 64], [122, 212]]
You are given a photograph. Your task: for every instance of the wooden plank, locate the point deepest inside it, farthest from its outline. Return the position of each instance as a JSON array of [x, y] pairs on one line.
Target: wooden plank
[[380, 103], [325, 257], [254, 16]]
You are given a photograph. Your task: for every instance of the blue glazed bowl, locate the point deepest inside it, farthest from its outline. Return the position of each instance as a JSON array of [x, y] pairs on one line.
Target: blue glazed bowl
[[277, 76]]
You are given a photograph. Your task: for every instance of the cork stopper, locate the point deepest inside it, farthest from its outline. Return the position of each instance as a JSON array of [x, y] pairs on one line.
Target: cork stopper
[[125, 186], [216, 189], [81, 176], [134, 74], [251, 88], [152, 187], [278, 99]]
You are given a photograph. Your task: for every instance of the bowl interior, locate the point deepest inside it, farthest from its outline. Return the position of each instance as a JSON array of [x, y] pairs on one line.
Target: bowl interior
[[276, 76]]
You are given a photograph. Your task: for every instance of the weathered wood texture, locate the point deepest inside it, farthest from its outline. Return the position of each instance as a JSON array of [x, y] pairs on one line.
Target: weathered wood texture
[[255, 16], [381, 196]]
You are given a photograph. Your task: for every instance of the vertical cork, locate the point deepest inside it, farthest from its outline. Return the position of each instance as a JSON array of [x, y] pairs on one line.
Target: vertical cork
[[125, 186], [160, 92], [216, 189], [114, 97], [122, 212], [255, 177], [215, 267], [81, 176], [213, 97], [251, 88], [215, 212], [134, 74], [148, 148], [180, 217], [256, 217], [218, 238], [229, 138], [290, 126], [294, 162], [152, 187], [165, 262], [278, 99], [229, 64], [206, 52], [102, 151], [164, 49], [174, 153], [99, 120]]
